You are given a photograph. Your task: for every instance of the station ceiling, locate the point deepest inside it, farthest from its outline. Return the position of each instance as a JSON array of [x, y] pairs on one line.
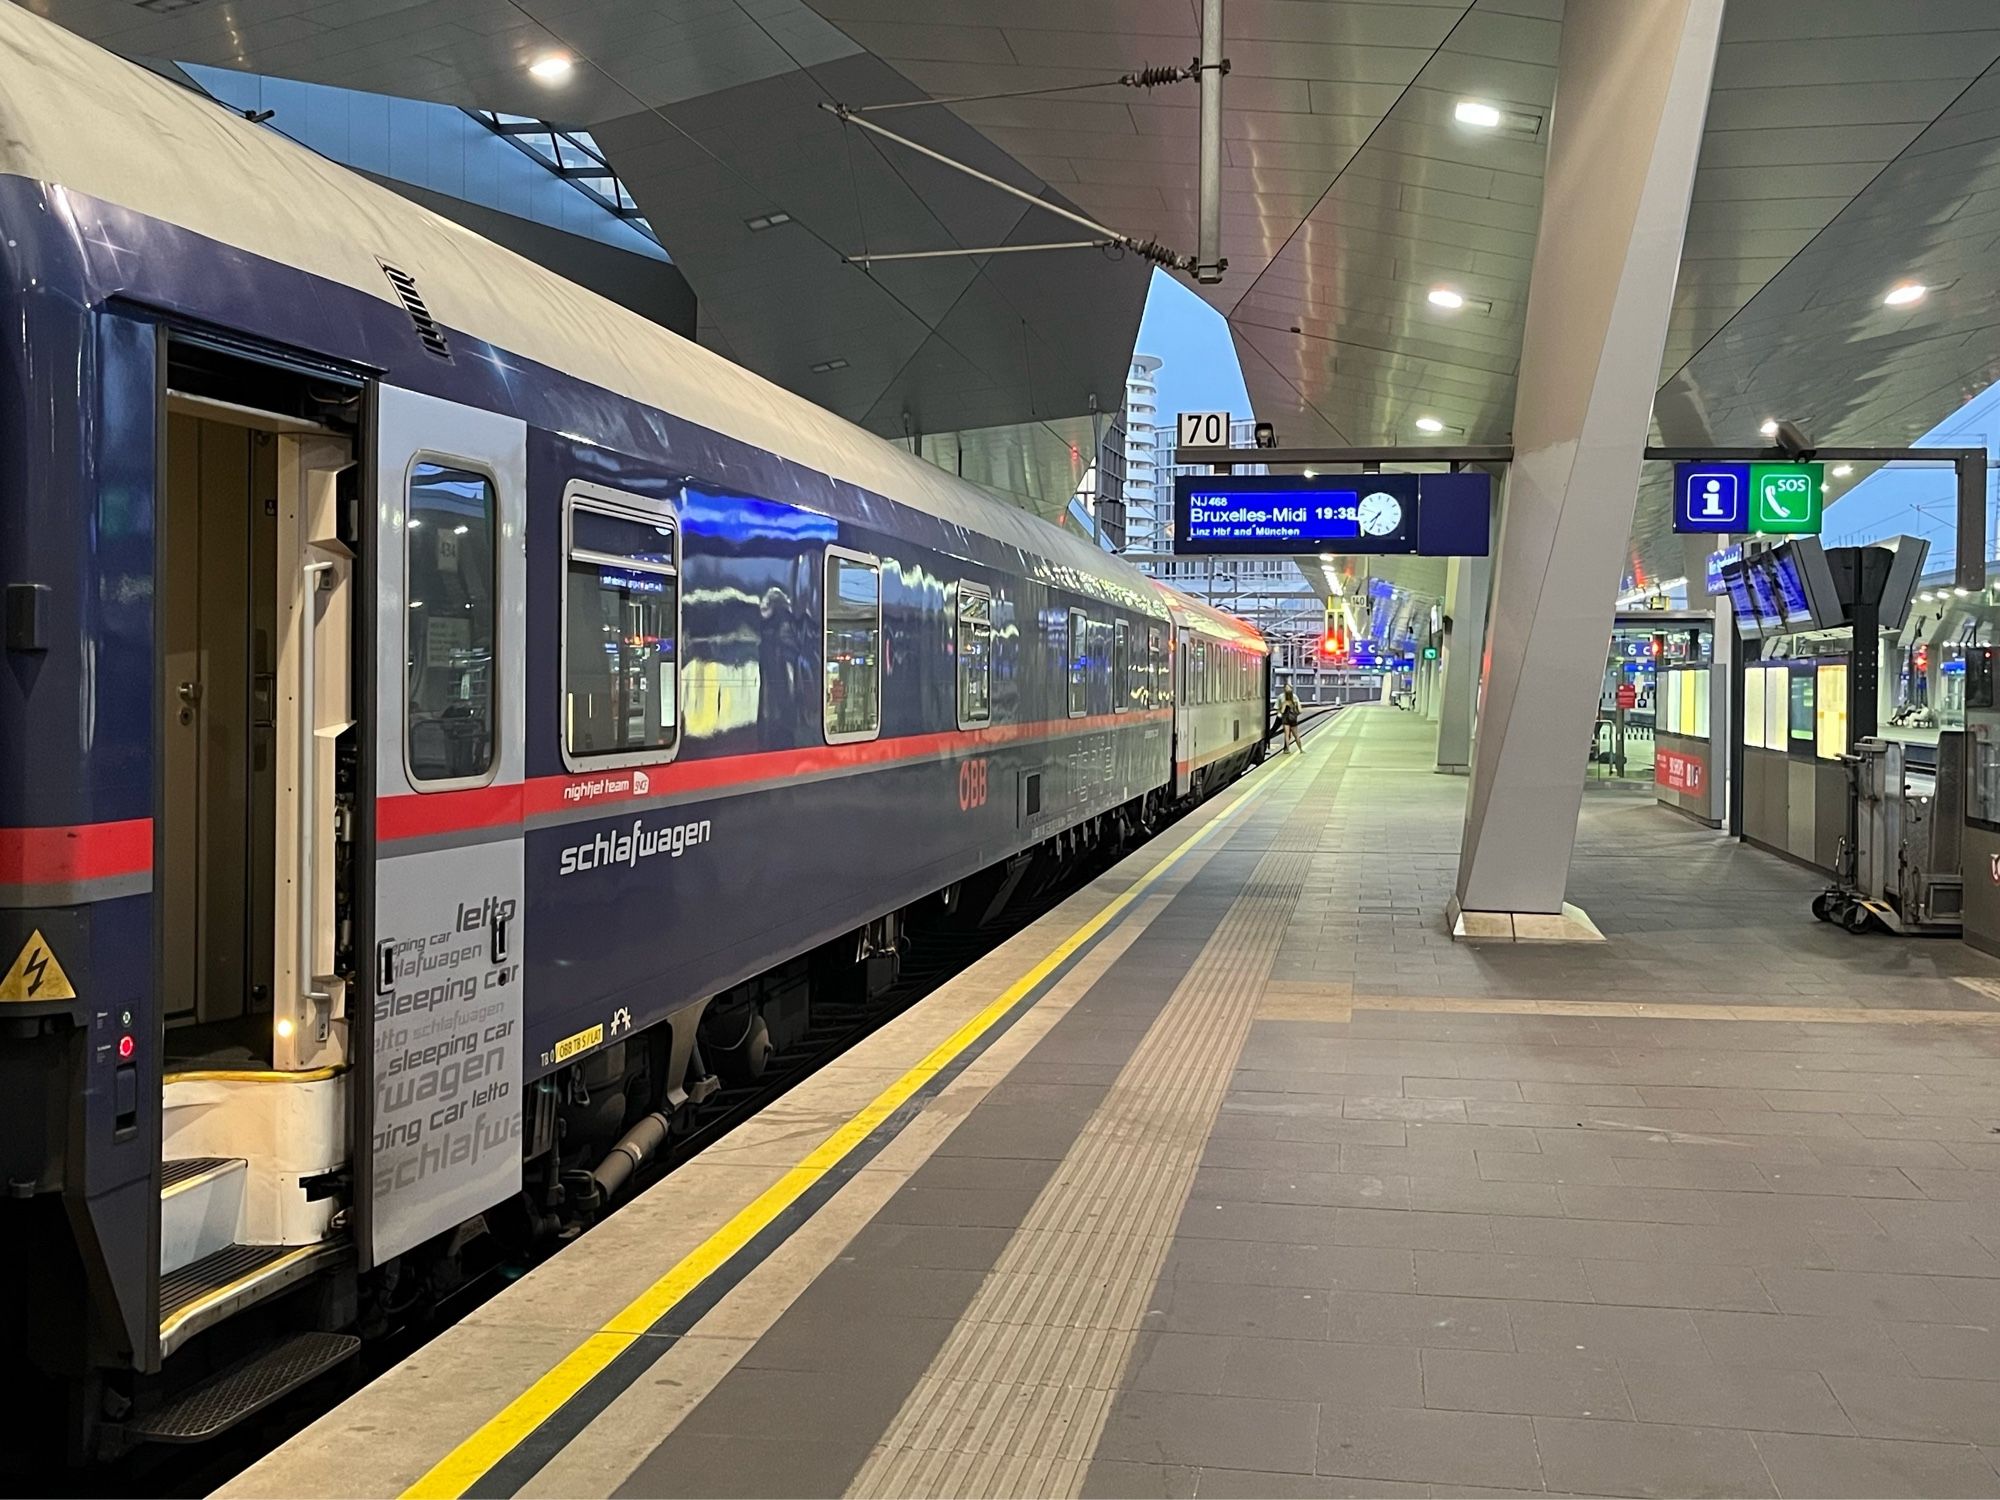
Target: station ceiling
[[1834, 164]]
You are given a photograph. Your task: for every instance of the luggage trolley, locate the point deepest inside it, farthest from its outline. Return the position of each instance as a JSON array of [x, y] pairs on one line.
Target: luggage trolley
[[1898, 865]]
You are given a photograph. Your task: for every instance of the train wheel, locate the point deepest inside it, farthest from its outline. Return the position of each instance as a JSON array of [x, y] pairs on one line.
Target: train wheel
[[744, 1059]]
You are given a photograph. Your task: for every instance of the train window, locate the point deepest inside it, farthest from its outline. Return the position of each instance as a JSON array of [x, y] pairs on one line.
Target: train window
[[1121, 666], [853, 646], [975, 655], [451, 562], [621, 630], [1201, 671], [1156, 694], [1100, 664], [1079, 664]]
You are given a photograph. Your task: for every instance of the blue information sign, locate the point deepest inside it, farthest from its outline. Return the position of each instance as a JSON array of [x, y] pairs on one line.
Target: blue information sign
[[1437, 515], [1712, 497]]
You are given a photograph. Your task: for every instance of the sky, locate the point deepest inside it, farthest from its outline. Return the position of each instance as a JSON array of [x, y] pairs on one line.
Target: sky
[[1920, 502], [1201, 372]]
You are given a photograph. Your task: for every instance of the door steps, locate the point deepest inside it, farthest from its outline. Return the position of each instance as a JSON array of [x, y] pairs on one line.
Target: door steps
[[200, 1295], [201, 1208], [246, 1387], [173, 1174]]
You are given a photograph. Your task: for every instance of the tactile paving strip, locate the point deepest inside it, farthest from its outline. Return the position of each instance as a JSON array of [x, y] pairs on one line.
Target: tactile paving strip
[[1017, 1398]]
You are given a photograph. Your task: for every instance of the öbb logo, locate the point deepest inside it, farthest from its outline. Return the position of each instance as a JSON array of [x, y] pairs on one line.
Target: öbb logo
[[971, 784]]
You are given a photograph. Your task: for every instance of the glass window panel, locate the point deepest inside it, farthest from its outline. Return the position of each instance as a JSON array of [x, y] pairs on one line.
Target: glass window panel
[[1753, 707], [975, 656], [1831, 708], [448, 657], [621, 652], [1079, 664], [1803, 724], [853, 647], [640, 542], [1777, 705]]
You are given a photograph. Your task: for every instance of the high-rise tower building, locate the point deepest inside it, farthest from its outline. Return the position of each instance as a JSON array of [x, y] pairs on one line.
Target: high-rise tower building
[[1142, 417]]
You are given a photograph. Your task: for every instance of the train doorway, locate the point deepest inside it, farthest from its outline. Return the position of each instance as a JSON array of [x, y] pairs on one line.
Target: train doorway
[[255, 621]]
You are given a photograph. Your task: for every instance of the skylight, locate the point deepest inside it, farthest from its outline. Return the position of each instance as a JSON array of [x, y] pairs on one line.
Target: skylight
[[571, 155]]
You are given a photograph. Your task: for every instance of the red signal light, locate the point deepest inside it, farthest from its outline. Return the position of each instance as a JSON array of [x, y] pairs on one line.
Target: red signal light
[[126, 1047]]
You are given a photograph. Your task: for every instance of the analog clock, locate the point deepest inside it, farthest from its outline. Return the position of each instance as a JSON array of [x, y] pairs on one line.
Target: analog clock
[[1379, 514]]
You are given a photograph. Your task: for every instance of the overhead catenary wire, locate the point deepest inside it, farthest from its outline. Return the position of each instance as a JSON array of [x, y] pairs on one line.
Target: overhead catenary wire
[[867, 258], [1146, 249], [1145, 78]]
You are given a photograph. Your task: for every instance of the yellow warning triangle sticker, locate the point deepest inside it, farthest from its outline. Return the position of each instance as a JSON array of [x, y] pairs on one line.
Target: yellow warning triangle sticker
[[36, 975]]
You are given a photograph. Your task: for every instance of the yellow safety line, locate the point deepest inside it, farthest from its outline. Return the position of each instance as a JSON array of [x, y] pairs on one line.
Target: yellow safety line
[[459, 1469]]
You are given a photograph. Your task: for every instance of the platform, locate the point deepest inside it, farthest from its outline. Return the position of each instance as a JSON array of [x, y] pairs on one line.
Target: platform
[[1236, 1176]]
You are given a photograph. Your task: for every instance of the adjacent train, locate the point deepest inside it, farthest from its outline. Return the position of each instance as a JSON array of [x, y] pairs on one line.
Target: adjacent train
[[449, 723]]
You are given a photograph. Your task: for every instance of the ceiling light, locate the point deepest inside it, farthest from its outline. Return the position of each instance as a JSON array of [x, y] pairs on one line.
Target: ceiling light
[[1476, 112], [551, 69], [1962, 593], [768, 221], [1429, 424], [1445, 297], [1904, 293], [826, 366], [1770, 427], [1841, 471], [1312, 473]]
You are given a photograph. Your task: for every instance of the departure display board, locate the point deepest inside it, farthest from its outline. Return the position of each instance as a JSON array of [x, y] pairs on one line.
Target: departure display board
[[1432, 515]]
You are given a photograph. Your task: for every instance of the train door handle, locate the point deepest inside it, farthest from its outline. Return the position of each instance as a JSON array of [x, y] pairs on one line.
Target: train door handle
[[190, 695], [502, 938]]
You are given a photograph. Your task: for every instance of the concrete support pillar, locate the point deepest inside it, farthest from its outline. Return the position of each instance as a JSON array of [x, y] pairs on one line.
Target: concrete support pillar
[[1632, 87], [1468, 586]]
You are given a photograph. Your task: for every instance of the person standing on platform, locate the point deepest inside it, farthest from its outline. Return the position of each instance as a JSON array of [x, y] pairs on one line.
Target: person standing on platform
[[1288, 715]]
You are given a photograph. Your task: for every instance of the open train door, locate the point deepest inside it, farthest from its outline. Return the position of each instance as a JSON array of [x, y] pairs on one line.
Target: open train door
[[437, 1127]]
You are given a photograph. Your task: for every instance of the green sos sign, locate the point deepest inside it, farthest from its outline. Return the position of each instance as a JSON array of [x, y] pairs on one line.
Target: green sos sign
[[1787, 497]]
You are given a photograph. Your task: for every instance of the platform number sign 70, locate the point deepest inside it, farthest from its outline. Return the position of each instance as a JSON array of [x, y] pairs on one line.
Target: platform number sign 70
[[1204, 429]]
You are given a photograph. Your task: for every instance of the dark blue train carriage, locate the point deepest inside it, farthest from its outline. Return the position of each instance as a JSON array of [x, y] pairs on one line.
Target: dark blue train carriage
[[449, 722]]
